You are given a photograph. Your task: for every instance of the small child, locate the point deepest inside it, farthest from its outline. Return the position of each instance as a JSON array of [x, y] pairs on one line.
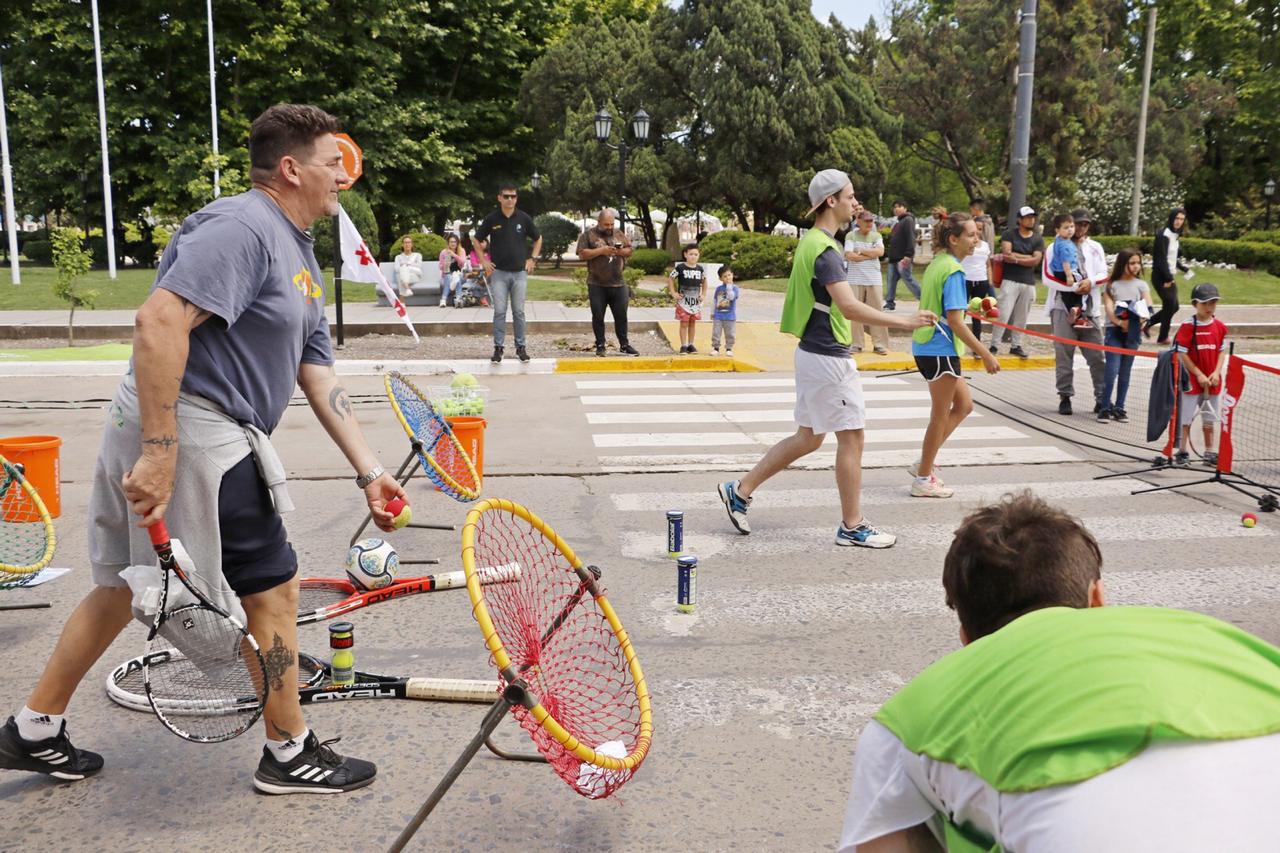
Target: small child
[[688, 288], [725, 316], [1202, 351], [1065, 264]]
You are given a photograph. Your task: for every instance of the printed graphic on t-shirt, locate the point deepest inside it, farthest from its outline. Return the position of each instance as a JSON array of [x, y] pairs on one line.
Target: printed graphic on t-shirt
[[307, 285]]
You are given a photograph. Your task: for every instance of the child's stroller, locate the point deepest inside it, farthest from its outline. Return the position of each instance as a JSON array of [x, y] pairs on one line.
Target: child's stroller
[[473, 291]]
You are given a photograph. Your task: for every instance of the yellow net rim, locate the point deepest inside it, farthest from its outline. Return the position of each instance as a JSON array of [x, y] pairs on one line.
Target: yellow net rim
[[466, 492], [503, 660], [12, 475]]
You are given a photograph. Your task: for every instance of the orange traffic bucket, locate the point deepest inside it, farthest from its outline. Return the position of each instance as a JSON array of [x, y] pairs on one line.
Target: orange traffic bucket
[[470, 433], [39, 457]]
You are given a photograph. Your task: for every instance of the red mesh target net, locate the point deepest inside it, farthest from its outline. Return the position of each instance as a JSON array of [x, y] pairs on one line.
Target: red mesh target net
[[561, 643]]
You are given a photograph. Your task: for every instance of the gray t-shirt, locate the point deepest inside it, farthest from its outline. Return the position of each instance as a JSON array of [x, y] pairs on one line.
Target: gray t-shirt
[[241, 259], [1127, 290], [828, 268]]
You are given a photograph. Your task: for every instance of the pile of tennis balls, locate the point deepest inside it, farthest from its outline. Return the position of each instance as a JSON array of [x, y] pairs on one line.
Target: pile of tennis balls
[[464, 400], [984, 305]]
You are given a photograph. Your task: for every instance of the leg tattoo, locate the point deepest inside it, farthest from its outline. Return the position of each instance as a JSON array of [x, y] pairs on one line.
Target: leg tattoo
[[278, 659]]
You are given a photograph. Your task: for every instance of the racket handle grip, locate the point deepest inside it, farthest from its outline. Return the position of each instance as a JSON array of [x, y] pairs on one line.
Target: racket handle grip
[[159, 533]]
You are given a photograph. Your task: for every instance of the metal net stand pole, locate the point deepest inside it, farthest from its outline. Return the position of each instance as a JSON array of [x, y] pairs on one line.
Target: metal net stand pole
[[403, 475]]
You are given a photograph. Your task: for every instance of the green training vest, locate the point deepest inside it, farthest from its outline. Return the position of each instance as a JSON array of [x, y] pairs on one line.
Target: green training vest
[[1061, 695], [943, 266], [800, 300]]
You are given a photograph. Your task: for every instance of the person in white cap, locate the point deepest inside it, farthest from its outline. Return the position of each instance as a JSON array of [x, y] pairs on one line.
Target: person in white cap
[[1022, 249], [819, 309]]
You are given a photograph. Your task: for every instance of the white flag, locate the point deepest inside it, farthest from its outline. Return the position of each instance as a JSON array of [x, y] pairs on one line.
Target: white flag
[[358, 264]]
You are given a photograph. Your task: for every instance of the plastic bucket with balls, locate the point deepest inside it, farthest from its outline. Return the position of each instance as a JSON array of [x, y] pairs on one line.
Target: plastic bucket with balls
[[39, 457], [469, 431]]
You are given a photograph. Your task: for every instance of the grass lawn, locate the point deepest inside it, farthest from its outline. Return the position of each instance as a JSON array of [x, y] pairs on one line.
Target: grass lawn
[[1238, 287], [132, 286]]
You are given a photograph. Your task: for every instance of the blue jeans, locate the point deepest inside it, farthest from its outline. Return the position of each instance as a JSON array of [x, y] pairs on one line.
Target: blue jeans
[[507, 286], [896, 273], [449, 283], [1118, 366]]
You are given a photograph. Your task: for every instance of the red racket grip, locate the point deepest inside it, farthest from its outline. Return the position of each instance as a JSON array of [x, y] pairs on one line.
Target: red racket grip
[[159, 533]]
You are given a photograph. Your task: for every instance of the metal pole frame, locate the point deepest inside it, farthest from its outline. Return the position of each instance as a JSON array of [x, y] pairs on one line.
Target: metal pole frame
[[106, 162], [213, 101], [1136, 209], [10, 217], [1019, 157]]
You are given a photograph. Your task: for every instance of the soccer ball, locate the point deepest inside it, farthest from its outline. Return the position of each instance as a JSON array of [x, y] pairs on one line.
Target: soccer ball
[[372, 564]]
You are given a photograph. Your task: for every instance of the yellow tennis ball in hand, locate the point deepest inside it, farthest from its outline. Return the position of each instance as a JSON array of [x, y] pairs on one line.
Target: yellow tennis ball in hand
[[401, 514]]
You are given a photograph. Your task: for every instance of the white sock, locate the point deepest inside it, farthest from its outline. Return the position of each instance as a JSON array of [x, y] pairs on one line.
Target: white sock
[[33, 725], [286, 750]]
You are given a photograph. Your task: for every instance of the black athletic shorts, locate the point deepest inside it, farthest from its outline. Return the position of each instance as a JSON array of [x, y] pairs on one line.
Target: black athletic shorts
[[256, 554], [933, 366]]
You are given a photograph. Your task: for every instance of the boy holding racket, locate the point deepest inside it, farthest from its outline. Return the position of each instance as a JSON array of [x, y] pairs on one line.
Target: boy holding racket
[[234, 322], [688, 288], [819, 309], [1201, 344]]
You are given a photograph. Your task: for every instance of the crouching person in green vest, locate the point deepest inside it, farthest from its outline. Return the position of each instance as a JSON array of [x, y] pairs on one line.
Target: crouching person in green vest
[[1063, 725], [818, 309]]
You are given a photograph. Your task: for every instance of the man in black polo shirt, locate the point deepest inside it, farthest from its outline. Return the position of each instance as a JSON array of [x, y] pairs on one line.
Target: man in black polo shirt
[[504, 235]]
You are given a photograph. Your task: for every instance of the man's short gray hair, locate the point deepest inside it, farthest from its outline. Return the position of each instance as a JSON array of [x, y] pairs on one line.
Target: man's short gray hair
[[606, 210]]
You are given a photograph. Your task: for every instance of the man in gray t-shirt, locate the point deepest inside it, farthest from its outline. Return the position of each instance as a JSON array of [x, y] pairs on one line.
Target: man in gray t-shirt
[[236, 317]]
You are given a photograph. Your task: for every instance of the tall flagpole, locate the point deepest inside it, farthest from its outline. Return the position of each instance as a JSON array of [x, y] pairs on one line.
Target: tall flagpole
[[1136, 209], [10, 218], [213, 101], [106, 164]]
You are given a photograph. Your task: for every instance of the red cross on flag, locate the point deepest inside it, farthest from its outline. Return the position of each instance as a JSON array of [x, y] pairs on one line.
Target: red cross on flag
[[358, 264]]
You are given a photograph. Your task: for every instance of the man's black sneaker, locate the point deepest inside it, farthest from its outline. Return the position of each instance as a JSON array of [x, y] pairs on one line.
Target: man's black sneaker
[[53, 755], [315, 770], [1119, 416], [600, 351], [496, 358], [1020, 353], [1064, 406], [522, 353], [889, 306], [628, 349]]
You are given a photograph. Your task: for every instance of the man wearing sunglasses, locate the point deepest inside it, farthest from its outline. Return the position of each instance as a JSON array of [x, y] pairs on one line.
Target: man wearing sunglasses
[[504, 235]]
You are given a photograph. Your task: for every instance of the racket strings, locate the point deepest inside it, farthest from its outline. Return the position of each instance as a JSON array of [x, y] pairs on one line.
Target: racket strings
[[315, 597], [443, 459], [559, 639], [25, 539], [216, 682]]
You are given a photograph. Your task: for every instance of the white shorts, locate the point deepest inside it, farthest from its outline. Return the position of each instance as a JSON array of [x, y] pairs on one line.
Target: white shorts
[[828, 393], [1207, 406]]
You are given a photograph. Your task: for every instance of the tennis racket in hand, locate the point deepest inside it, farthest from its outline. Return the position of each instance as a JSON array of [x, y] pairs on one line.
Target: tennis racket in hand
[[210, 661], [27, 539]]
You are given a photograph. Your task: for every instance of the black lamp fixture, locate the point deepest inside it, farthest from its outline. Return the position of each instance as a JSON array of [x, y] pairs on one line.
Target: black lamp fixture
[[603, 123], [1269, 190], [535, 180]]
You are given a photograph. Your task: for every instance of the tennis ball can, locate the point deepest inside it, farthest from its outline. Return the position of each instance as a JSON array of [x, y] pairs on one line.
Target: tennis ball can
[[687, 584], [675, 533], [342, 641]]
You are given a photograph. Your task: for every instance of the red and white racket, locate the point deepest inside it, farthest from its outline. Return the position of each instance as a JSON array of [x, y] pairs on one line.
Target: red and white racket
[[324, 598]]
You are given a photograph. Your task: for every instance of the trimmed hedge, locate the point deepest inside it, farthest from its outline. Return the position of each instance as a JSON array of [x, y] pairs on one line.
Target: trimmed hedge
[[650, 261], [752, 255], [1244, 254], [1272, 236], [38, 251]]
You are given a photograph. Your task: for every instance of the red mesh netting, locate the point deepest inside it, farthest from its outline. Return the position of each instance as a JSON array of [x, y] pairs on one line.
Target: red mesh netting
[[560, 641]]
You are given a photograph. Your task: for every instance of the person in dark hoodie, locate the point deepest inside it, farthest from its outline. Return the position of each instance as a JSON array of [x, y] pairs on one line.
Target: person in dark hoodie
[[1165, 262]]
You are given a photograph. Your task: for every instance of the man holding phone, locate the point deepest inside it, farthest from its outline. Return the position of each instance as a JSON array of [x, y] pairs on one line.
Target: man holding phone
[[606, 249]]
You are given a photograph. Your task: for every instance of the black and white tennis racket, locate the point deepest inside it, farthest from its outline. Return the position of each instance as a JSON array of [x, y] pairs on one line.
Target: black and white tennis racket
[[210, 661], [324, 598], [125, 687]]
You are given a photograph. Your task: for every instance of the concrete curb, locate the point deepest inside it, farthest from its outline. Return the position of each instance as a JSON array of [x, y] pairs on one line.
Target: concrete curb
[[657, 364]]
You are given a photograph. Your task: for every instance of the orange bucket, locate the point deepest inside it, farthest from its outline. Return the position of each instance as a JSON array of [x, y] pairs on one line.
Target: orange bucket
[[470, 433], [39, 457]]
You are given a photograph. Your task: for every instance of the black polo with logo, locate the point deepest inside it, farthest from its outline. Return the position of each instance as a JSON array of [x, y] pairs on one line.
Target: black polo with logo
[[508, 238]]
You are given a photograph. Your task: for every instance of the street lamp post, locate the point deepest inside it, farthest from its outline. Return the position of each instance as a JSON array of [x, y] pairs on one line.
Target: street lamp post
[[1269, 190], [640, 132]]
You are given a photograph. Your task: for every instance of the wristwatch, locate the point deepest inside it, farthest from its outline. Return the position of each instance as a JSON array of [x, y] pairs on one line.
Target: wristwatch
[[364, 480]]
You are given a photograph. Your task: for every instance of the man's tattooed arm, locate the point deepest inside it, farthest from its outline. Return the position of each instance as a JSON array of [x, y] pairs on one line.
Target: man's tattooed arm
[[339, 402]]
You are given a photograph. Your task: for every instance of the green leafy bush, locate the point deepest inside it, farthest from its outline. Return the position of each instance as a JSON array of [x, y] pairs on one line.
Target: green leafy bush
[[650, 261], [1244, 254], [72, 261], [558, 234], [631, 276], [1272, 236], [751, 254], [1113, 243], [38, 251]]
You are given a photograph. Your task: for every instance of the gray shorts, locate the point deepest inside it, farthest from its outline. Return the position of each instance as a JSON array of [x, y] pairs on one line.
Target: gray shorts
[[1208, 406]]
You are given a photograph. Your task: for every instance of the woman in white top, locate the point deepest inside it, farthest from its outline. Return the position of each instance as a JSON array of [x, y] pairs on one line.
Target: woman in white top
[[977, 278], [408, 267]]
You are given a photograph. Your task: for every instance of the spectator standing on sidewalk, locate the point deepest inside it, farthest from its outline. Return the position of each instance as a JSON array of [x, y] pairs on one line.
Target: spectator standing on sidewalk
[[1094, 275], [1164, 265], [1022, 250], [902, 250], [606, 249], [977, 277], [505, 235], [986, 228], [863, 248]]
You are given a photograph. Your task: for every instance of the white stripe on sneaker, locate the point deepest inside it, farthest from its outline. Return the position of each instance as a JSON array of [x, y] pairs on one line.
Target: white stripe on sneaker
[[59, 759], [323, 776], [301, 769], [44, 753]]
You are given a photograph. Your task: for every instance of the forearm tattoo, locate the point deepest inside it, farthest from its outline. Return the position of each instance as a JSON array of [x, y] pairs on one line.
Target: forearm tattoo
[[279, 659], [339, 402]]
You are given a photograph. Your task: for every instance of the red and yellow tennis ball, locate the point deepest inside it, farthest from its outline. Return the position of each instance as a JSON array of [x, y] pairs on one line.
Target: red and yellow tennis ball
[[400, 512], [989, 305], [1248, 519]]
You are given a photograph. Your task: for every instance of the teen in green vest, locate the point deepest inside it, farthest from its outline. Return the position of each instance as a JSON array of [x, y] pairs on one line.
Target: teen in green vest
[[937, 349], [818, 307], [1066, 725]]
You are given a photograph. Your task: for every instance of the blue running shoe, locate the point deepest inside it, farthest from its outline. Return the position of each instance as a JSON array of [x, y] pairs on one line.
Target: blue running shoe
[[864, 535], [736, 505]]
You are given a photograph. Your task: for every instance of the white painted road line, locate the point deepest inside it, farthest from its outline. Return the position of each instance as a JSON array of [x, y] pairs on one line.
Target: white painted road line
[[744, 416], [1153, 527], [725, 399], [821, 461], [988, 434], [637, 384], [872, 496]]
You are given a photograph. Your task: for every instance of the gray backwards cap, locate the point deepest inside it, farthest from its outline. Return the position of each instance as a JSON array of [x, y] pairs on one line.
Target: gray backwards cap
[[828, 182]]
